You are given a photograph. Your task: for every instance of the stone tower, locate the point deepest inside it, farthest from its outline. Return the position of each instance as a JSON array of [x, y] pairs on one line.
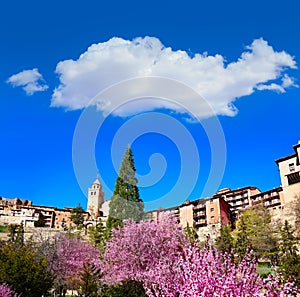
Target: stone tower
[[95, 199]]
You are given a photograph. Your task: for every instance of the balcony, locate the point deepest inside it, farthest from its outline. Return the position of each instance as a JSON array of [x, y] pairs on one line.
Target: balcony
[[198, 214], [293, 178], [272, 203], [200, 222], [200, 206]]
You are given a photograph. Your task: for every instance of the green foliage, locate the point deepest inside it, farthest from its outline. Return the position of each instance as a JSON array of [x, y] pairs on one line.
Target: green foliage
[[98, 235], [126, 202], [3, 228], [191, 233], [16, 235], [127, 288], [264, 269], [19, 242], [242, 242], [77, 216], [224, 242], [290, 259], [113, 222], [122, 209], [12, 229], [294, 211], [254, 229], [126, 181], [23, 272], [89, 283], [39, 223]]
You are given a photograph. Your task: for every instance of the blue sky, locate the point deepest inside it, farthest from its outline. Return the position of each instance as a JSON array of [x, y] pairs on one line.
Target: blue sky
[[242, 61]]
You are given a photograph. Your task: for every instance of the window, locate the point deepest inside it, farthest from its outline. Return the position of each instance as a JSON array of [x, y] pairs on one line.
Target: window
[[212, 209], [292, 167], [293, 178], [212, 217]]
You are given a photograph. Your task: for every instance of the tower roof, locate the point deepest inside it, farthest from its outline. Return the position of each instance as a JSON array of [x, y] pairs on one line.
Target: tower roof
[[97, 181]]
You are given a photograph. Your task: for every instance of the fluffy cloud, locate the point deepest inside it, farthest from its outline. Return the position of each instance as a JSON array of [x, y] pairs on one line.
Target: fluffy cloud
[[31, 81], [105, 64]]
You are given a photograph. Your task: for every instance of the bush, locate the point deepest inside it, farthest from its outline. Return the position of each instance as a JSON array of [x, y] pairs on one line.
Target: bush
[[23, 272], [127, 288]]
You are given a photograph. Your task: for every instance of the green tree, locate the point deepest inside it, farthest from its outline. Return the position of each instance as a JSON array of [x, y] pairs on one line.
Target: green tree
[[40, 222], [126, 202], [98, 235], [255, 227], [224, 242], [16, 235], [19, 242], [89, 282], [289, 256], [191, 233], [12, 229], [241, 242], [25, 273], [77, 216], [293, 210]]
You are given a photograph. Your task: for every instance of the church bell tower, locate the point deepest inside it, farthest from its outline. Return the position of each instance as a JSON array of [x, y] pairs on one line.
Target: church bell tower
[[95, 199]]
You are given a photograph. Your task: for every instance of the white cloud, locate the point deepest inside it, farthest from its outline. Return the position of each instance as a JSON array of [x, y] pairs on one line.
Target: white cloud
[[31, 81], [271, 87], [104, 64], [288, 82]]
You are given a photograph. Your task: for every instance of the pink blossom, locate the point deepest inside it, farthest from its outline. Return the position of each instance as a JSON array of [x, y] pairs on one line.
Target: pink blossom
[[68, 258], [160, 256], [6, 291], [138, 247]]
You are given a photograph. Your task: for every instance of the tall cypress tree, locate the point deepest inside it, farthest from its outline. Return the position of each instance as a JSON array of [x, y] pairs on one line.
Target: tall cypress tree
[[125, 203]]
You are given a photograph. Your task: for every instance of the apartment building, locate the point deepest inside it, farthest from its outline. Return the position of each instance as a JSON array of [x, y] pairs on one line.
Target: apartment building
[[206, 215], [237, 199], [156, 215], [273, 200], [17, 216], [17, 211]]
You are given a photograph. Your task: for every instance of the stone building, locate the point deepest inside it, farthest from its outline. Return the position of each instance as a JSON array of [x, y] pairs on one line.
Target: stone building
[[95, 199], [289, 170]]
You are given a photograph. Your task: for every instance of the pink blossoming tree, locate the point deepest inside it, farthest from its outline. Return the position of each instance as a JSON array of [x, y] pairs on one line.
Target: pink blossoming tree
[[160, 256], [67, 260], [139, 247], [208, 273]]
